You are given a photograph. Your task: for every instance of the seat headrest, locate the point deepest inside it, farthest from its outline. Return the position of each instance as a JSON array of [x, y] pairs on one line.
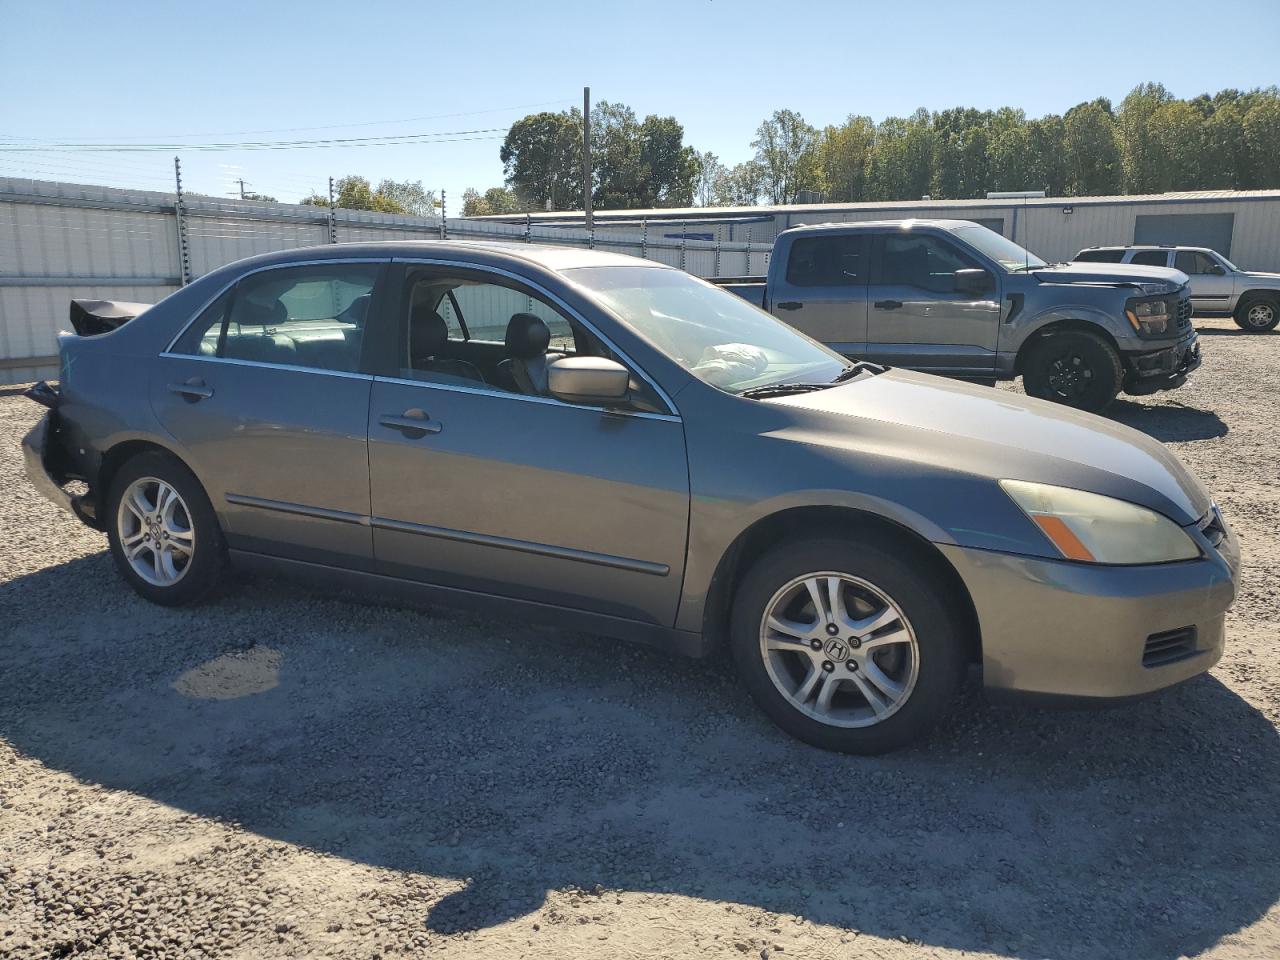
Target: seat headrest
[[252, 313], [357, 310], [527, 336], [428, 331]]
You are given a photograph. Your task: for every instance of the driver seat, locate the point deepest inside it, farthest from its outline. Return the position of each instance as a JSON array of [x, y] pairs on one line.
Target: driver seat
[[525, 369]]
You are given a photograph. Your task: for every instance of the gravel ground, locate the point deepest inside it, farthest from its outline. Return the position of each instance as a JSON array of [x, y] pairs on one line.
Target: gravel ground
[[288, 774]]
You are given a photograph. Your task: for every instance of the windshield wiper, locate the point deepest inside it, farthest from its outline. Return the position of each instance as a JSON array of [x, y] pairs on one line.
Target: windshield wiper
[[853, 369], [782, 390]]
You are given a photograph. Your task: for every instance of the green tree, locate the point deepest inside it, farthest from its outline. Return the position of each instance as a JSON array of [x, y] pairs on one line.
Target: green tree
[[1261, 127], [739, 186], [786, 152], [409, 196], [542, 159], [842, 155], [495, 200], [639, 164], [1090, 151], [902, 163], [354, 192], [709, 168], [1141, 158]]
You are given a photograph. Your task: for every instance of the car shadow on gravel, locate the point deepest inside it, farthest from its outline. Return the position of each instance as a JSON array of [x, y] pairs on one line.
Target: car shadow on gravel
[[510, 761], [1169, 421]]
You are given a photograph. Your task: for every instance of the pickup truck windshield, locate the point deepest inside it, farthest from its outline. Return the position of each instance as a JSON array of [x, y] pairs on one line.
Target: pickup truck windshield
[[718, 337], [1000, 249]]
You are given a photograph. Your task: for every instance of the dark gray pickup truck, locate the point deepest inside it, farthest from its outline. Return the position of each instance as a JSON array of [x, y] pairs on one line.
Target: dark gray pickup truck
[[952, 297]]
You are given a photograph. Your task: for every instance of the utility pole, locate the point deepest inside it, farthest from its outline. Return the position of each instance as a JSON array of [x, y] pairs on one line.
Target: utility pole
[[586, 155], [240, 181]]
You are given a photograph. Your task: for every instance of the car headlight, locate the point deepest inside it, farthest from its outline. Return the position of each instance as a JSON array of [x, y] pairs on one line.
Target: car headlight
[[1096, 529], [1149, 317]]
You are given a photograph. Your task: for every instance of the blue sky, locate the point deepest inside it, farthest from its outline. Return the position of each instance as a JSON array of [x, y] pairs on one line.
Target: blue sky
[[230, 71]]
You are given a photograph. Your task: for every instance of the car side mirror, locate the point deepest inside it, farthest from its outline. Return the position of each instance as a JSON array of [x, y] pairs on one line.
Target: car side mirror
[[594, 380], [1217, 270], [974, 282]]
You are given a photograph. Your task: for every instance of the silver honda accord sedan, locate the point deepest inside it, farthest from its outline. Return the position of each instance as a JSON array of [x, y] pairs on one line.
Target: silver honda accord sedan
[[611, 444]]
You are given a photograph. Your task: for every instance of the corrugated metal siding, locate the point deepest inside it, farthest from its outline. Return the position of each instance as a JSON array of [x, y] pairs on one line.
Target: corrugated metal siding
[[59, 241]]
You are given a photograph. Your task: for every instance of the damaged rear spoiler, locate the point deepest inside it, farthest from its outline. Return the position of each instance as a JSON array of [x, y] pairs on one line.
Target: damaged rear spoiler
[[92, 318]]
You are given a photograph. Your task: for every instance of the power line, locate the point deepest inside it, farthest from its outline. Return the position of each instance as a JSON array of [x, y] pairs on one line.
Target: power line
[[331, 126], [444, 136]]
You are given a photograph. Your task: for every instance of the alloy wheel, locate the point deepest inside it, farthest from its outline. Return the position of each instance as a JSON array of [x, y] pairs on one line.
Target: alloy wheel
[[156, 532], [1070, 376], [839, 649], [1260, 315]]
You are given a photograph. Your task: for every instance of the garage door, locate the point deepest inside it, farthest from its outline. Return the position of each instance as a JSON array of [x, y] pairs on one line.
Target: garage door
[[1212, 230]]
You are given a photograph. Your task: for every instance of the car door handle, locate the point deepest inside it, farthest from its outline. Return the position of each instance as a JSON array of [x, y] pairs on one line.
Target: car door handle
[[413, 423], [790, 305], [888, 304], [192, 391]]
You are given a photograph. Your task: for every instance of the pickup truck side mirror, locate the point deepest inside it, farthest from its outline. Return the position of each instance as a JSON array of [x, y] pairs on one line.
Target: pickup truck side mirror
[[594, 380], [1217, 270], [974, 282]]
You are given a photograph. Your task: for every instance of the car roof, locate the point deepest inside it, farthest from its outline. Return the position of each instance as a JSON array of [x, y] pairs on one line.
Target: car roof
[[838, 226], [1143, 246], [491, 252]]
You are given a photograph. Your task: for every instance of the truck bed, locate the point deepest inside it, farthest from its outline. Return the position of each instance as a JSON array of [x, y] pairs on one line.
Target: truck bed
[[751, 289]]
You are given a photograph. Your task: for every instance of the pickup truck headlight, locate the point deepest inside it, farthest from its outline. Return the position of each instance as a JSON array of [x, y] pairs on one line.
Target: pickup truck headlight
[[1096, 529], [1148, 317]]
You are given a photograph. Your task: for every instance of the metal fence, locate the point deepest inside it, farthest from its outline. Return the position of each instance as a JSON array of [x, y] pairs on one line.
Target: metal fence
[[60, 241]]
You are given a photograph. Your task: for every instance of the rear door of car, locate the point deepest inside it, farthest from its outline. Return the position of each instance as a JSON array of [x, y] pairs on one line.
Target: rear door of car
[[916, 318], [480, 487], [266, 395], [1151, 258], [823, 290]]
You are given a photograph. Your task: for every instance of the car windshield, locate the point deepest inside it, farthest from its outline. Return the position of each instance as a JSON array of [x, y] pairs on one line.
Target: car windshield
[[715, 335], [1000, 249]]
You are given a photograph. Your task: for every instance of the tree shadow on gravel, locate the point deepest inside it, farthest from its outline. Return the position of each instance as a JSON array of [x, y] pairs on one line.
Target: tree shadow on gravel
[[522, 761], [1168, 422]]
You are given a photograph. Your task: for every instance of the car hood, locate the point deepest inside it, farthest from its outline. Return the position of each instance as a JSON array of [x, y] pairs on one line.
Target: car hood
[[1261, 275], [1126, 273], [1000, 435]]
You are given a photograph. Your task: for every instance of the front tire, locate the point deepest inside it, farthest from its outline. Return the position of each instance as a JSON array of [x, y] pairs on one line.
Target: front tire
[[1076, 368], [1258, 314], [164, 535], [848, 646]]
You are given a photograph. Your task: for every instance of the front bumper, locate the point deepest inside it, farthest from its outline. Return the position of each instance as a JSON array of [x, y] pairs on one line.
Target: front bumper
[[1163, 369], [1054, 628]]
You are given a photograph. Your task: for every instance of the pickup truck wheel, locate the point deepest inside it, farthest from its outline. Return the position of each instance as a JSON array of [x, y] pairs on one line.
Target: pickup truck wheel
[[163, 533], [1258, 314], [1074, 367], [847, 645]]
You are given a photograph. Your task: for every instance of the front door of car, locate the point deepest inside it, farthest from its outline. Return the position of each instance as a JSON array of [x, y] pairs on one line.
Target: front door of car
[[482, 484], [918, 319], [823, 292], [1212, 284], [265, 397]]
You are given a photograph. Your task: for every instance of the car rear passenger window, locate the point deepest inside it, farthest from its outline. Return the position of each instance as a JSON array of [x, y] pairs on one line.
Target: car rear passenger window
[[312, 316], [1151, 258], [1099, 256], [836, 261]]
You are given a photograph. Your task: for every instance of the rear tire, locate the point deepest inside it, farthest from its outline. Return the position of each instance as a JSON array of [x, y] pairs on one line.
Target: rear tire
[[1258, 313], [164, 535], [1076, 368], [893, 661]]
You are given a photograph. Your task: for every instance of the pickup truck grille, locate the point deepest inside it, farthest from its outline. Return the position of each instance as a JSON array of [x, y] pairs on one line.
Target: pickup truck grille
[[1181, 313]]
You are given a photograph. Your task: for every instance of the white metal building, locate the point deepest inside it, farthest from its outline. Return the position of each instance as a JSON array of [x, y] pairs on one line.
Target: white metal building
[[1242, 225]]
